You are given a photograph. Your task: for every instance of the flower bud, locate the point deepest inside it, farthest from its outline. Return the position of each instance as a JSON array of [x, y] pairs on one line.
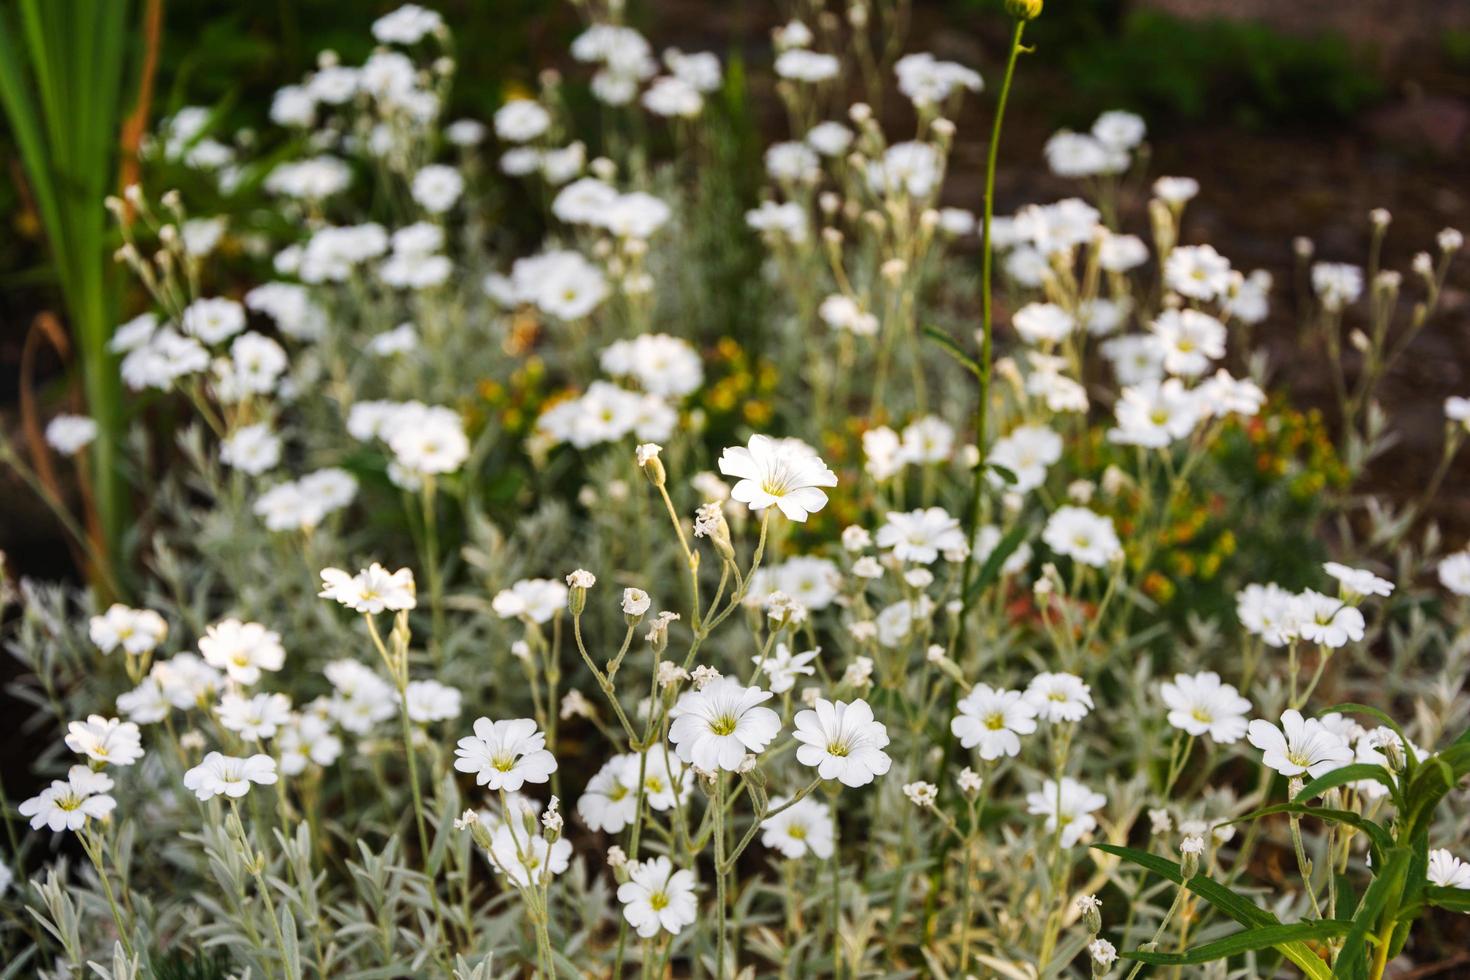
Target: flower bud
[[653, 467], [1024, 9]]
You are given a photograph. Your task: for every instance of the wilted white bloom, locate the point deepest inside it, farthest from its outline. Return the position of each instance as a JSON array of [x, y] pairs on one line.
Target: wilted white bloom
[[505, 754], [842, 741], [1068, 805], [1102, 952], [225, 775], [922, 795], [1300, 746]]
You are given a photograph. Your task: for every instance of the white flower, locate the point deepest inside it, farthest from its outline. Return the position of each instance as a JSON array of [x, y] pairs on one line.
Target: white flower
[[1336, 284], [927, 440], [913, 169], [505, 754], [1447, 871], [213, 320], [1327, 620], [521, 120], [927, 81], [1357, 582], [400, 340], [994, 720], [527, 860], [105, 740], [429, 439], [144, 704], [921, 794], [843, 313], [1043, 323], [137, 631], [1119, 129], [186, 681], [229, 776], [70, 434], [251, 449], [68, 803], [635, 602], [1454, 572], [842, 741], [713, 728], [783, 667], [1176, 190], [1082, 535], [254, 718], [831, 139], [610, 800], [361, 700], [1120, 253], [1027, 452], [409, 24], [1069, 805], [1103, 953], [1300, 745], [656, 897], [920, 535], [1197, 271], [1070, 154], [1202, 705], [792, 163], [1190, 340], [430, 701], [437, 187], [242, 650], [306, 739], [660, 364], [536, 599], [803, 828], [1155, 414], [801, 65], [778, 221], [371, 590], [1059, 697], [780, 472]]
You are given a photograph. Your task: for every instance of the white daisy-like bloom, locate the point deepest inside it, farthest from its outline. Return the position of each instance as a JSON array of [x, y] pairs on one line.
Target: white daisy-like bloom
[[213, 320], [1201, 704], [911, 169], [429, 440], [521, 120], [400, 340], [306, 739], [993, 720], [361, 699], [242, 650], [1069, 805], [253, 718], [227, 775], [186, 681], [536, 599], [920, 535], [801, 65], [843, 313], [842, 741], [465, 133], [787, 220], [803, 828], [1300, 746], [1454, 573], [1197, 271], [1043, 324], [409, 24], [1155, 414], [782, 666], [661, 364], [1358, 582], [928, 81], [1059, 697], [780, 472], [1083, 536], [1327, 620], [1336, 284], [610, 800], [658, 898], [251, 449], [1026, 451], [137, 631], [811, 581], [791, 162], [1121, 253], [1070, 154], [70, 434], [1119, 129], [105, 740], [927, 440], [1176, 190], [1447, 871], [1190, 340], [1268, 611], [714, 727], [527, 860], [370, 591], [67, 804], [1221, 394], [430, 701], [505, 754], [144, 704], [831, 139]]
